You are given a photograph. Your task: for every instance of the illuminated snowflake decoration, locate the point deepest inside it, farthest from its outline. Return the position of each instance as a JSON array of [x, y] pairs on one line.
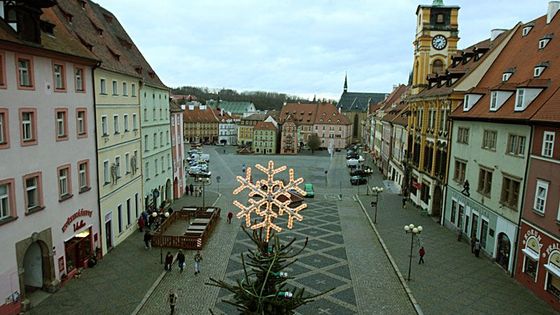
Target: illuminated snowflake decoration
[[265, 198]]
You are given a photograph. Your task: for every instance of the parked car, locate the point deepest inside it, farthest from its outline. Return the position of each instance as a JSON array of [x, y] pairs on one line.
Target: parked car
[[358, 180], [352, 162], [309, 190]]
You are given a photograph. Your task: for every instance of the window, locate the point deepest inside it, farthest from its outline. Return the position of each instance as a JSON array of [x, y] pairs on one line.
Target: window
[[25, 73], [133, 90], [153, 114], [453, 210], [136, 205], [541, 192], [28, 126], [64, 186], [124, 89], [127, 162], [2, 71], [79, 79], [33, 192], [106, 175], [59, 79], [460, 168], [4, 129], [61, 124], [118, 167], [494, 100], [437, 67], [7, 207], [155, 140], [485, 181], [538, 71], [145, 114], [543, 42], [104, 126], [516, 145], [519, 98], [506, 76], [489, 140], [161, 139], [128, 218], [160, 114], [147, 170], [169, 161], [103, 86], [526, 30], [134, 122], [463, 135], [83, 175], [81, 122], [115, 88], [548, 144], [146, 143], [116, 123], [531, 267], [119, 212], [167, 136], [125, 118], [162, 165], [510, 192], [156, 167]]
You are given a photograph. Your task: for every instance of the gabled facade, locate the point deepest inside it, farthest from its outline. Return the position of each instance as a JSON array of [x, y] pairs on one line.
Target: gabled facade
[[201, 124], [333, 128], [49, 215], [288, 141], [264, 138], [177, 150], [491, 144], [245, 129], [227, 127]]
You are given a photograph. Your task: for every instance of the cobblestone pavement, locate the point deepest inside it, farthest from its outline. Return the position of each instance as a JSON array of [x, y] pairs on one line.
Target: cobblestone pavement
[[452, 280]]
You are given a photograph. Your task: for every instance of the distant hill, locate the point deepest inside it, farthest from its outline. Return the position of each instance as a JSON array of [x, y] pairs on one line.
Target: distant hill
[[262, 100]]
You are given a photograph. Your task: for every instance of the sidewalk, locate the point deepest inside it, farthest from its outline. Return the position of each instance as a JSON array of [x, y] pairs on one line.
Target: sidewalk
[[452, 280], [119, 281]]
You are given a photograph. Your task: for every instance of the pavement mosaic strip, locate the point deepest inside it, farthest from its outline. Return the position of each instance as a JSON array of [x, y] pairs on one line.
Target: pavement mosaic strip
[[321, 266]]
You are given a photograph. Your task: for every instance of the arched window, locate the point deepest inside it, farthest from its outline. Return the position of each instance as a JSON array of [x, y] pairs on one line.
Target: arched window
[[437, 66]]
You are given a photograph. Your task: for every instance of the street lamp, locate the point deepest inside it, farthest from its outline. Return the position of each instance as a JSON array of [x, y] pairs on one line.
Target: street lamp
[[413, 230], [375, 191]]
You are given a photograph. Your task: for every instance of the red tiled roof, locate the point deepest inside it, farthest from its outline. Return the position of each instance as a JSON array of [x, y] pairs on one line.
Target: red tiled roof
[[264, 125], [328, 114], [522, 55], [201, 116], [301, 113]]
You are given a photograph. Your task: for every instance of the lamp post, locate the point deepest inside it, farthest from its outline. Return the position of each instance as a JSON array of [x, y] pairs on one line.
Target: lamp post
[[413, 230], [375, 191]]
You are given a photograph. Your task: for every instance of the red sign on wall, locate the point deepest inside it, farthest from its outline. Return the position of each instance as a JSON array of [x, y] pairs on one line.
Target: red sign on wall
[[417, 185], [77, 214]]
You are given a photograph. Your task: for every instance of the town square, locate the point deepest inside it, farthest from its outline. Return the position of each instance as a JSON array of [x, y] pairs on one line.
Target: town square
[[130, 184]]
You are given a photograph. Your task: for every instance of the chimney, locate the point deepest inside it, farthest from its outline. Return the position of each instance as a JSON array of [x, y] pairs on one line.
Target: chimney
[[553, 7], [496, 32]]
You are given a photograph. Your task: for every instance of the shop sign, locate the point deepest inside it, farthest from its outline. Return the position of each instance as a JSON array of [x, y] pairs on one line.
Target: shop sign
[[417, 185], [73, 217], [533, 240], [554, 247]]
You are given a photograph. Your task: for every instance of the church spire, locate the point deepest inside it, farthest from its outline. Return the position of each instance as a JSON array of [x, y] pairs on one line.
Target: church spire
[[346, 82]]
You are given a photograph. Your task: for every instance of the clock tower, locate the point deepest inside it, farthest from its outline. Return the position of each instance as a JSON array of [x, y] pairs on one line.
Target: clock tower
[[435, 42]]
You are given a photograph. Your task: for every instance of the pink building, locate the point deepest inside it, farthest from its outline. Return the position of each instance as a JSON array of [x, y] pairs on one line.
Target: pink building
[[177, 149], [49, 224]]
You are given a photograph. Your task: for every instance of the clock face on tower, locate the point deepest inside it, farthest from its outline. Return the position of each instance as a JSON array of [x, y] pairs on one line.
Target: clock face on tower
[[439, 42]]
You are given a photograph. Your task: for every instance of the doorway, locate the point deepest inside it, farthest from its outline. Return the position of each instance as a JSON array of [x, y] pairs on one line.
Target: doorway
[[109, 235], [436, 204], [474, 225], [33, 267], [504, 247]]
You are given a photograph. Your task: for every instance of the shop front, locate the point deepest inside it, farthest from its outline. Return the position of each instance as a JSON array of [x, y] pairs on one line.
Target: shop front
[[79, 243], [538, 263]]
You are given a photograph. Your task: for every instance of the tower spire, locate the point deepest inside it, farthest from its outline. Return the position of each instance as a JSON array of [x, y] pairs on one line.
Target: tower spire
[[346, 82]]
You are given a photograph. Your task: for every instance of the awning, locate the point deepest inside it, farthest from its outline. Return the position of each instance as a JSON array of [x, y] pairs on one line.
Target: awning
[[531, 254], [553, 269]]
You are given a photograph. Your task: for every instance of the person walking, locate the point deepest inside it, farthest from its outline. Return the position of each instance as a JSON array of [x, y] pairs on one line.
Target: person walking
[[473, 242], [229, 217], [181, 260], [172, 300], [147, 239], [191, 188], [187, 190], [404, 202], [141, 224], [197, 260], [477, 248], [168, 261], [421, 252]]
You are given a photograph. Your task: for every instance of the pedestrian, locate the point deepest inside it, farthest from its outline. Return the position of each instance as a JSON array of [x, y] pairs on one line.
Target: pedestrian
[[477, 248], [172, 300], [404, 202], [168, 261], [473, 242], [145, 216], [421, 252], [147, 239], [229, 216], [181, 260], [191, 189], [141, 224], [197, 260], [459, 234], [187, 190]]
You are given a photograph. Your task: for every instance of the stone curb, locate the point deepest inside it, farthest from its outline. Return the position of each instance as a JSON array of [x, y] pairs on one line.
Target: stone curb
[[406, 288], [159, 279]]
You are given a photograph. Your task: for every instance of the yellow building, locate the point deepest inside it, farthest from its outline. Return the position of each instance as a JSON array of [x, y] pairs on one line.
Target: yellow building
[[116, 88], [245, 132], [201, 124]]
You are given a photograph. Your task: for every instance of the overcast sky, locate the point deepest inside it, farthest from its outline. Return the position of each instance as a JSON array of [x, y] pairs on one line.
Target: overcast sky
[[299, 47]]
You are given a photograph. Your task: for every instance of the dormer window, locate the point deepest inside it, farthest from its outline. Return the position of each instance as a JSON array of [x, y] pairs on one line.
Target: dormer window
[[493, 100], [538, 71], [526, 30], [470, 100], [543, 42], [519, 99], [498, 98], [506, 76]]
